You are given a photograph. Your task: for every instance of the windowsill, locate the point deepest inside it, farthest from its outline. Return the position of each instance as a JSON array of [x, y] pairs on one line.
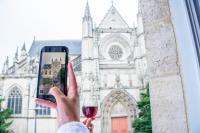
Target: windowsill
[[16, 115]]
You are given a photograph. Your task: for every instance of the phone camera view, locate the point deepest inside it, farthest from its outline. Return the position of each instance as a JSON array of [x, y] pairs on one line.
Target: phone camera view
[[52, 71]]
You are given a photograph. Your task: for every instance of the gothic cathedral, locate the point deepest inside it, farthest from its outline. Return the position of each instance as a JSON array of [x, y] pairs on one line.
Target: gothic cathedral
[[109, 63]]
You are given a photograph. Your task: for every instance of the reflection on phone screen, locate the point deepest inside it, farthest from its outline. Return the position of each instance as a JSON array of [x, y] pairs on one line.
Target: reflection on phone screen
[[52, 71]]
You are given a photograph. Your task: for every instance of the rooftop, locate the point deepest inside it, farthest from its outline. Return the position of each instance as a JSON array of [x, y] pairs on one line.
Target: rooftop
[[74, 46]]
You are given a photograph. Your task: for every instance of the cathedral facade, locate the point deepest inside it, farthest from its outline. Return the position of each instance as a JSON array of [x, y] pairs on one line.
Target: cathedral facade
[[109, 62]]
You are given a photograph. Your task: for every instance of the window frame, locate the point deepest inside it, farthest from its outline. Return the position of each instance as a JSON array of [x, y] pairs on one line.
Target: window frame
[[193, 9], [184, 26], [42, 111]]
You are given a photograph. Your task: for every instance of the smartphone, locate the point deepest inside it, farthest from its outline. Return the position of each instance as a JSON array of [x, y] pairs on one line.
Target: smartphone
[[52, 71]]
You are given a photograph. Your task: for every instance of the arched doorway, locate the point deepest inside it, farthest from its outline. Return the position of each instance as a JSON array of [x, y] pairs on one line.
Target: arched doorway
[[119, 118], [118, 108]]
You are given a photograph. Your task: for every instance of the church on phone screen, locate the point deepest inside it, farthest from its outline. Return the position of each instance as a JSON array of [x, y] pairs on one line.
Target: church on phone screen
[[109, 63]]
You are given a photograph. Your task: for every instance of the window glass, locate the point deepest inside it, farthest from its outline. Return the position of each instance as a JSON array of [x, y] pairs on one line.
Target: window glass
[[42, 110], [15, 100]]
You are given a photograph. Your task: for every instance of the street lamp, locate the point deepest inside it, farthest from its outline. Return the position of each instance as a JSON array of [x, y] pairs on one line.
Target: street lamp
[[35, 109]]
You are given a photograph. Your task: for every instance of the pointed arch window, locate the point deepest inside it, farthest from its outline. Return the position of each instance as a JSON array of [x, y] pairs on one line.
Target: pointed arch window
[[15, 100]]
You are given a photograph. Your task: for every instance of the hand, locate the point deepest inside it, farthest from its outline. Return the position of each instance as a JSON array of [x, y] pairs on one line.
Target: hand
[[67, 106], [88, 123]]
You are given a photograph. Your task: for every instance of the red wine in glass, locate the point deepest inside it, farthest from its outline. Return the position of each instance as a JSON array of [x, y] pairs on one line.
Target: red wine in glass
[[89, 111], [90, 107]]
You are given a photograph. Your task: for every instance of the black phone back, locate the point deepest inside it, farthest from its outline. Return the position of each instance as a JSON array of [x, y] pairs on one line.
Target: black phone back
[[52, 71]]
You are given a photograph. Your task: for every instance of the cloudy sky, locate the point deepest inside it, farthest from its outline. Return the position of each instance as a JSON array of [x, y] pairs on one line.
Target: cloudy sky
[[21, 20]]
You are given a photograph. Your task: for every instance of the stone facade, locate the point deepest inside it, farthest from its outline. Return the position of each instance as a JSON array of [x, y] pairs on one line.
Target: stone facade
[[166, 89], [110, 64], [111, 50]]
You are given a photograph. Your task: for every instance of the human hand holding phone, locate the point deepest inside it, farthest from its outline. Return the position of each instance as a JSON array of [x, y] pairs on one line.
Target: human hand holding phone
[[67, 106]]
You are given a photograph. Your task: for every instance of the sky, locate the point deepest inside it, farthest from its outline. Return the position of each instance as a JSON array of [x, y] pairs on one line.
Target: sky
[[21, 20]]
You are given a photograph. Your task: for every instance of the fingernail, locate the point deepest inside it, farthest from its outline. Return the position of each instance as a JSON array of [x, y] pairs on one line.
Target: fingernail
[[51, 89], [70, 64]]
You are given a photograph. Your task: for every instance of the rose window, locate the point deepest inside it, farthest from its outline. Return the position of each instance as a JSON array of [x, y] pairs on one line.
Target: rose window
[[115, 52]]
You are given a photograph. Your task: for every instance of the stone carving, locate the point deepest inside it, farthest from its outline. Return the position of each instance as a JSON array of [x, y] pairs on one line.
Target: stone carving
[[118, 110], [130, 80], [92, 83], [117, 84], [105, 81]]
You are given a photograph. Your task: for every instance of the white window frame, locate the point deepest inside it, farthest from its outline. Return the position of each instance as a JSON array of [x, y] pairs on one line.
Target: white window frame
[[189, 61]]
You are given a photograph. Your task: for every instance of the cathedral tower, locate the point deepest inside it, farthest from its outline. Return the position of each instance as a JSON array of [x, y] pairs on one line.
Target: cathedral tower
[[88, 69]]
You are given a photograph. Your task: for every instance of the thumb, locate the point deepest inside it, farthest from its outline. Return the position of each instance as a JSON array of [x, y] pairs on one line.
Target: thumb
[[55, 91]]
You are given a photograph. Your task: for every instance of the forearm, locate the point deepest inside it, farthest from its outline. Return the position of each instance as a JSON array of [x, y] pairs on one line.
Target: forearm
[[73, 127]]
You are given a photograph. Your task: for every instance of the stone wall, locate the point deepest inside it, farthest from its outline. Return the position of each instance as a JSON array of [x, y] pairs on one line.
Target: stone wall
[[166, 90]]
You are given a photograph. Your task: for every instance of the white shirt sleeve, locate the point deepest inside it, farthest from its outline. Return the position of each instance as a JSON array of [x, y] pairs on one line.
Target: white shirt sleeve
[[73, 127]]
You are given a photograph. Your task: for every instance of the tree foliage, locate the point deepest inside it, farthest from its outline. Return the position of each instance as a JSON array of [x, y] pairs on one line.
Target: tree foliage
[[46, 81], [4, 116], [61, 75], [142, 124]]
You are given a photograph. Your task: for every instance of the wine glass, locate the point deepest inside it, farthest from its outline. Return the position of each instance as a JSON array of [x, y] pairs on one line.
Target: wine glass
[[90, 106]]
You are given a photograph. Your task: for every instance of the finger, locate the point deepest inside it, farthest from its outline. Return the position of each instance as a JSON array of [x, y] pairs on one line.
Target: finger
[[84, 122], [67, 88], [73, 92], [58, 119], [88, 122], [67, 83], [55, 91], [91, 127], [45, 103]]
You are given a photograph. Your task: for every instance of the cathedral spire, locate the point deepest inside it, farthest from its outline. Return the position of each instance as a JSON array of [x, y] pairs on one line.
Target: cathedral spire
[[7, 61], [23, 47], [34, 38], [15, 59], [16, 54], [87, 11], [5, 66], [23, 54], [3, 70], [87, 23]]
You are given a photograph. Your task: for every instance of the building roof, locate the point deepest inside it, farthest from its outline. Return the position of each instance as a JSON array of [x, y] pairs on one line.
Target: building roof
[[74, 46]]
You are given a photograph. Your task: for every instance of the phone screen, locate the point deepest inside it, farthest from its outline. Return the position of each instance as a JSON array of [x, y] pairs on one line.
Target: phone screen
[[53, 72]]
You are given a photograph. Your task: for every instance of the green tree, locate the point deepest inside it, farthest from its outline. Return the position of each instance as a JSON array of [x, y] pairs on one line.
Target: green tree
[[142, 124], [4, 116], [61, 75], [46, 81]]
